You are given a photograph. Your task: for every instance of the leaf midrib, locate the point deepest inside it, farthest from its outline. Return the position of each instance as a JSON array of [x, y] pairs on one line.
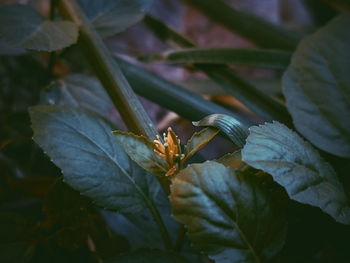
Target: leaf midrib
[[139, 190], [227, 213]]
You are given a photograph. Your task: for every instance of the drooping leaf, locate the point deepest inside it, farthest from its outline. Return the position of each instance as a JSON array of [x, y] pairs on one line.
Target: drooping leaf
[[298, 167], [317, 87], [148, 256], [265, 58], [140, 150], [82, 145], [78, 90], [227, 215], [199, 140], [234, 129], [113, 16], [232, 160], [21, 26]]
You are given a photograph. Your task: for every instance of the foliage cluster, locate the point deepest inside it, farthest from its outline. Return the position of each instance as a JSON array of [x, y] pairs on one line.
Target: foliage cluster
[[283, 196]]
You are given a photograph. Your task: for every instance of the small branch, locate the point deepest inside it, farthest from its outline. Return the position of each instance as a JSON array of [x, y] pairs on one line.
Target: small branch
[[254, 28], [118, 88], [52, 55], [180, 238], [228, 79], [163, 230], [109, 73]]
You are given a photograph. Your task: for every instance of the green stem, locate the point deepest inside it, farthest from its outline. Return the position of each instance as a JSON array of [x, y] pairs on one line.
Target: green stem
[[180, 238], [53, 54], [165, 33], [254, 28], [227, 78], [172, 96], [53, 5], [163, 230], [109, 73], [116, 85]]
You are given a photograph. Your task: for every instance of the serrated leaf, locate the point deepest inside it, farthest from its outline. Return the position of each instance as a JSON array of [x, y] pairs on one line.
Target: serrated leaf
[[228, 215], [82, 145], [317, 87], [199, 140], [298, 167], [21, 26], [141, 151], [148, 256], [113, 16], [78, 90], [234, 129]]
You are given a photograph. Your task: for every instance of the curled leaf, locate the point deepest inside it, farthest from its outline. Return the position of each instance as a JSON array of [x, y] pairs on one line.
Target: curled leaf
[[234, 129], [232, 160], [199, 140], [141, 151]]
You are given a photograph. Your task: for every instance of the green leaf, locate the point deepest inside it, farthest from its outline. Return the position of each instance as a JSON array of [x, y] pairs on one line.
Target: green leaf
[[148, 256], [113, 16], [82, 145], [199, 140], [78, 90], [140, 150], [228, 215], [228, 125], [317, 87], [21, 26], [264, 58], [298, 167]]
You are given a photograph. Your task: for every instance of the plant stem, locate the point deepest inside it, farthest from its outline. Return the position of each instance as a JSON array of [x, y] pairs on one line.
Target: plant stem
[[163, 230], [227, 78], [53, 55], [109, 73], [116, 85], [172, 96], [180, 238], [254, 28], [53, 5]]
